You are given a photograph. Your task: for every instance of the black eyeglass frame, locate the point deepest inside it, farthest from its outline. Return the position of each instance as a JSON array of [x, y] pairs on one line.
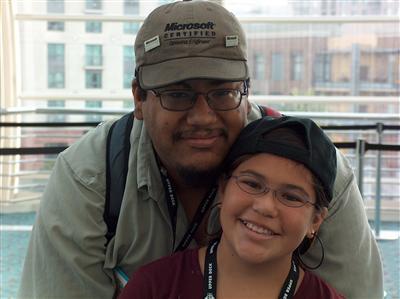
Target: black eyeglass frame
[[159, 94], [266, 190]]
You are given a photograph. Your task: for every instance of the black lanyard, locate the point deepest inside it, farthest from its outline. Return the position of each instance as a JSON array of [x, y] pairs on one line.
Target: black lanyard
[[210, 275], [172, 204]]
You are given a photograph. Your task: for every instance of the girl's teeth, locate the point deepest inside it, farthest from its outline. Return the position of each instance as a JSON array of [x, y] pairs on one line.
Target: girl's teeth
[[258, 229]]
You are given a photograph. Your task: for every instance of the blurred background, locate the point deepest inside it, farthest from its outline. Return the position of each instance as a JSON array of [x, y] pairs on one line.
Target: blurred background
[[67, 65]]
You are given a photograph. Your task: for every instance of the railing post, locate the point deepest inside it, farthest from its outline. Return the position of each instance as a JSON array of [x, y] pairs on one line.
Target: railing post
[[381, 234], [360, 151], [379, 129]]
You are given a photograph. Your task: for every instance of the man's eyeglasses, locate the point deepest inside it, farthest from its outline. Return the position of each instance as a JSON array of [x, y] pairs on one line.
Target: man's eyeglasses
[[255, 186], [217, 99]]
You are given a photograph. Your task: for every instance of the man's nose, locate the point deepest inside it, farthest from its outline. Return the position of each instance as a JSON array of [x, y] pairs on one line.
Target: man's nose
[[201, 113]]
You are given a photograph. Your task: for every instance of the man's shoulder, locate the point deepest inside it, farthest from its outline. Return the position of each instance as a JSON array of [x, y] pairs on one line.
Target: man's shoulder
[[91, 144], [344, 175], [87, 156]]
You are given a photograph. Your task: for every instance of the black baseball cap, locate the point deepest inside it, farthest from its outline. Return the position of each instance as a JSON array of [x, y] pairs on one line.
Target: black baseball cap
[[319, 154]]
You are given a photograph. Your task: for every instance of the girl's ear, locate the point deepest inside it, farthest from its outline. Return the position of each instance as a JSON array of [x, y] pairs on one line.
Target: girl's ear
[[319, 217]]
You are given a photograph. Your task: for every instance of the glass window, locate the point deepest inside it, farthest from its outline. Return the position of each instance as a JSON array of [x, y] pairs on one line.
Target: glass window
[[128, 104], [93, 26], [55, 26], [93, 78], [94, 55], [259, 66], [322, 67], [296, 66], [93, 4], [129, 65], [277, 67], [93, 104], [131, 27], [364, 73], [55, 66], [55, 6], [56, 117], [131, 7]]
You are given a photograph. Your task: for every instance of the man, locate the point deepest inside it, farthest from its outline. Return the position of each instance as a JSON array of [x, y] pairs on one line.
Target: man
[[191, 102]]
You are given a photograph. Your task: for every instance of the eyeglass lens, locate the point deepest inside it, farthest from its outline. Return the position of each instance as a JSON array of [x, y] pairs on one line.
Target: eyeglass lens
[[252, 185]]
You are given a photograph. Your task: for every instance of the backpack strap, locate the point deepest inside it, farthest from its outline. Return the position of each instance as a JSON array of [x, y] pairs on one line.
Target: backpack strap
[[268, 111], [117, 158]]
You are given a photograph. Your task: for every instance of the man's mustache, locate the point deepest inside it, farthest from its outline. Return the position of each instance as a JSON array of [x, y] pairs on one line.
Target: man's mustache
[[200, 133]]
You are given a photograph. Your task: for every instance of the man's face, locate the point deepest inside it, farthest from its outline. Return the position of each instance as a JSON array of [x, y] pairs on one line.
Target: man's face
[[192, 143]]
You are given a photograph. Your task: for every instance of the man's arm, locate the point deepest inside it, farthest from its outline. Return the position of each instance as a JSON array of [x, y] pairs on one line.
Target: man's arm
[[66, 252], [352, 262]]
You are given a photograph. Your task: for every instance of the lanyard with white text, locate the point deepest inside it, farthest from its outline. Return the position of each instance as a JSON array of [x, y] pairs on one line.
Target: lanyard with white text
[[172, 204], [210, 275]]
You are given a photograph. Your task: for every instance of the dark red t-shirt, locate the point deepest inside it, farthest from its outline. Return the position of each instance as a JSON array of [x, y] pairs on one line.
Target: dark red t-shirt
[[179, 276]]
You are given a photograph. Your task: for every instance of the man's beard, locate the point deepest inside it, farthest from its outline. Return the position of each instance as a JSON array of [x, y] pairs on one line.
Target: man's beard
[[190, 175], [197, 178]]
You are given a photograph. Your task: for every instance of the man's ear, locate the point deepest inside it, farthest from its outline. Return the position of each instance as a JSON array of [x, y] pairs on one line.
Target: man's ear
[[248, 102], [137, 100], [248, 106]]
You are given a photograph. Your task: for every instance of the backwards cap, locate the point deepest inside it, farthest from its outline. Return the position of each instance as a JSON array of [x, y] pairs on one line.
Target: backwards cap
[[190, 40], [319, 155]]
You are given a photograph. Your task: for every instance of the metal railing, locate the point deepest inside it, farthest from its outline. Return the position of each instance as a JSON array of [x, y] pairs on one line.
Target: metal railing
[[360, 146]]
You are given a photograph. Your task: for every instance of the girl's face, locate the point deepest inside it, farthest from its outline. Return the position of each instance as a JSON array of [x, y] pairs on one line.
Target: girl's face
[[260, 228]]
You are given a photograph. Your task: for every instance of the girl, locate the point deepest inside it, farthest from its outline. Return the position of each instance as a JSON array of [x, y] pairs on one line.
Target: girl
[[274, 193]]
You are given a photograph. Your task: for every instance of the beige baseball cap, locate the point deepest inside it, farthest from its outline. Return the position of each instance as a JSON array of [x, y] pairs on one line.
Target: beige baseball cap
[[190, 40]]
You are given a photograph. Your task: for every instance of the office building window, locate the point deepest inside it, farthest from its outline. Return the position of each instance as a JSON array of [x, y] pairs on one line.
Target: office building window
[[277, 67], [94, 105], [93, 78], [93, 27], [128, 104], [55, 66], [55, 6], [93, 4], [94, 56], [322, 68], [131, 7], [131, 28], [364, 73], [259, 66], [129, 65], [56, 116], [296, 66], [55, 26]]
